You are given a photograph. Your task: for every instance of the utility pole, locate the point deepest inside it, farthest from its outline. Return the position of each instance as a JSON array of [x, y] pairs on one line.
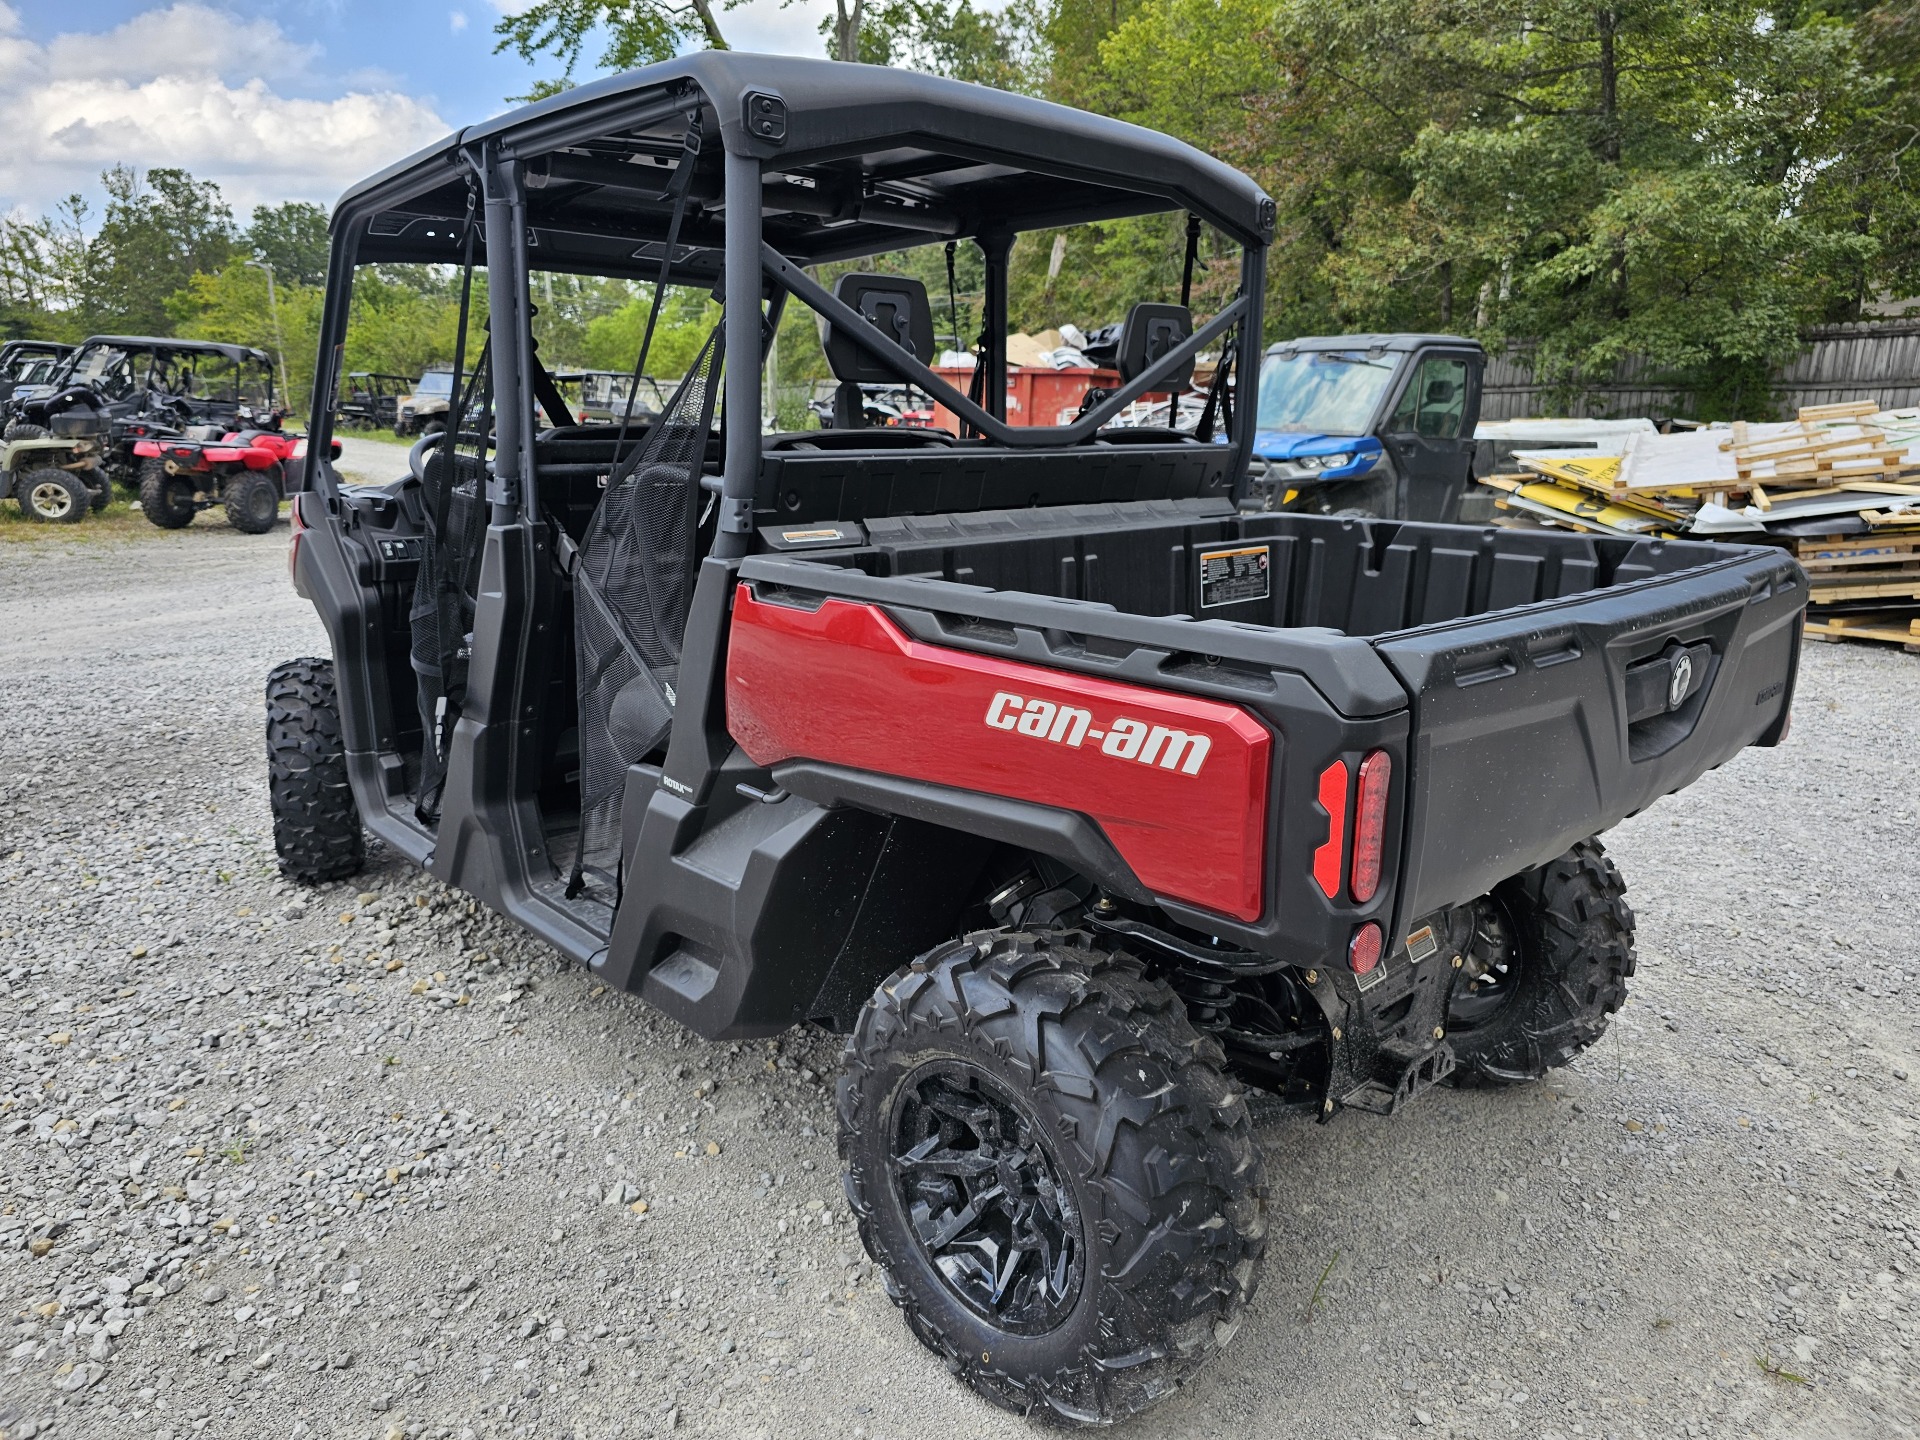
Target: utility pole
[[279, 341]]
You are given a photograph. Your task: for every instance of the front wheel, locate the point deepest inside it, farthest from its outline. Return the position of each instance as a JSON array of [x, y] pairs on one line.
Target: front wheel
[[316, 826], [1054, 1175], [1551, 953]]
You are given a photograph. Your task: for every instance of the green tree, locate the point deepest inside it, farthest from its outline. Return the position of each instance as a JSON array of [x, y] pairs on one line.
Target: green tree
[[232, 305], [958, 41], [291, 237], [638, 32], [155, 234], [1691, 185]]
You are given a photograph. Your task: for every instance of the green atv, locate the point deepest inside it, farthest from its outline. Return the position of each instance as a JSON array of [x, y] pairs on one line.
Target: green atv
[[57, 477]]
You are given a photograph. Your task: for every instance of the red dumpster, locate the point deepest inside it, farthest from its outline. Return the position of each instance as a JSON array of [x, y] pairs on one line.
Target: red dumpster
[[1036, 394]]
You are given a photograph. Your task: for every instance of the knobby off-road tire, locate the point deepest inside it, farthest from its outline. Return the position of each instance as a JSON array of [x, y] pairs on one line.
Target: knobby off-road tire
[[165, 499], [1567, 961], [100, 485], [1119, 1151], [26, 430], [316, 827], [53, 496], [252, 502]]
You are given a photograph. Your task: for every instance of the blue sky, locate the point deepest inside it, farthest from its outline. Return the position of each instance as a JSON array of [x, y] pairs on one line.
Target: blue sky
[[290, 100]]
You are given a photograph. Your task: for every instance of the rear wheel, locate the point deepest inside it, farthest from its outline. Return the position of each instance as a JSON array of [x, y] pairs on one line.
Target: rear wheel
[[252, 501], [316, 826], [1055, 1176], [1551, 954], [100, 486], [54, 496], [165, 499]]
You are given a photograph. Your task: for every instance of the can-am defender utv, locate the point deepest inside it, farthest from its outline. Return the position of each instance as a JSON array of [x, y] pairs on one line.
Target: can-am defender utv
[[1021, 757]]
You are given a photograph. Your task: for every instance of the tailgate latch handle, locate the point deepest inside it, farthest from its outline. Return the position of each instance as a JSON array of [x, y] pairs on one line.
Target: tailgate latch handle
[[1666, 682]]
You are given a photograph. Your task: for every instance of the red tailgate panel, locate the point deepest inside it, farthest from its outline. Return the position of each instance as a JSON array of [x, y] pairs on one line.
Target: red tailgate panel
[[1178, 783]]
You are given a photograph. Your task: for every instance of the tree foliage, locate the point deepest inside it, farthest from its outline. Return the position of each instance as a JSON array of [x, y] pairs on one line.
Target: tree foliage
[[1602, 181]]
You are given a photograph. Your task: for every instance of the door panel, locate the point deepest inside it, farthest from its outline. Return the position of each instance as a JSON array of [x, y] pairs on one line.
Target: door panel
[[1428, 433]]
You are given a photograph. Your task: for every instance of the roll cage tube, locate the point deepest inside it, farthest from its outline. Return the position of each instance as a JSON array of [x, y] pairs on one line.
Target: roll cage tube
[[1031, 437]]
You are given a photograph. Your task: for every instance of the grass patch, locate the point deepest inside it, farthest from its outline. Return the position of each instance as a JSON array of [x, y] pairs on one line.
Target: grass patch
[[121, 521]]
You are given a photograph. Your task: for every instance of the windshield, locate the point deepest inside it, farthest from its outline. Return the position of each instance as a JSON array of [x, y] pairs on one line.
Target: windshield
[[435, 382], [1323, 392], [107, 368]]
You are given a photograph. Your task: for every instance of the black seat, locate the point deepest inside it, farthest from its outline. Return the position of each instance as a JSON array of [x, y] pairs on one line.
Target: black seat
[[896, 306]]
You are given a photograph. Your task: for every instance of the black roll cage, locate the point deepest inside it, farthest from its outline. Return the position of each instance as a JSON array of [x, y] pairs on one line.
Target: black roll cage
[[499, 163]]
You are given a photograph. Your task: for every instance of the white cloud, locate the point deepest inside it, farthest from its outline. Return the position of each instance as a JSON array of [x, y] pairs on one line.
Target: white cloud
[[456, 20], [183, 86]]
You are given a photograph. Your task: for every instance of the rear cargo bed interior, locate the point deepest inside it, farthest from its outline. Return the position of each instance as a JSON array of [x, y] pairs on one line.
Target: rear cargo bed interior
[[1360, 577]]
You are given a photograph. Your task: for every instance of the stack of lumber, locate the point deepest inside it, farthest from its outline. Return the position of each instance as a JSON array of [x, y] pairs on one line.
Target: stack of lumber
[[1838, 486]]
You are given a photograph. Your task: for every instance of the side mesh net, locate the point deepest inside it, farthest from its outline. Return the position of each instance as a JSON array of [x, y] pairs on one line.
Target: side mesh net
[[633, 587], [441, 617]]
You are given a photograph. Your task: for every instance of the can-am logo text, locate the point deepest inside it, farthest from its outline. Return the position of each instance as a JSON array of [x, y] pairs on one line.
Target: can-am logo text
[[1124, 739]]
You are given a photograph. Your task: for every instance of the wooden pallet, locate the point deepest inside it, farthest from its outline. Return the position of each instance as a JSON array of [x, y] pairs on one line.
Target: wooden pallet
[[1864, 587], [1892, 629]]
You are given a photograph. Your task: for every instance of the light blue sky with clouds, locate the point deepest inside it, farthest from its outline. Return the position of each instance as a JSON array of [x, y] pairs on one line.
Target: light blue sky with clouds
[[289, 100]]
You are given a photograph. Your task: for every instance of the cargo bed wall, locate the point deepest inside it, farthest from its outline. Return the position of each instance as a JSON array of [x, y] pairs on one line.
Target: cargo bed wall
[[1198, 558]]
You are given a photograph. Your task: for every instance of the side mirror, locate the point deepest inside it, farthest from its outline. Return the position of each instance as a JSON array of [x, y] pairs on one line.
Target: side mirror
[[1150, 331]]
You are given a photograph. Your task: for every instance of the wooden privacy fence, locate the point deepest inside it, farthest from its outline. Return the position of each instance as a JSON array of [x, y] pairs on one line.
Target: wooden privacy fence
[[1876, 359]]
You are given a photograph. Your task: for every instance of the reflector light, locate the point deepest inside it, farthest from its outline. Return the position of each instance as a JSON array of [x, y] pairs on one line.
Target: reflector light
[[298, 528], [1363, 951], [1333, 800], [1370, 824]]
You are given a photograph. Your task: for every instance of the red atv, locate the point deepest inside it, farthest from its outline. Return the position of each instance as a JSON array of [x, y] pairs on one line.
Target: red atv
[[245, 470]]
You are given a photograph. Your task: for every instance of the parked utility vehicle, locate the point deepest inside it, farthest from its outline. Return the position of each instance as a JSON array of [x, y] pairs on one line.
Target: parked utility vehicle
[[149, 385], [423, 409], [1372, 426], [27, 364], [58, 478], [1073, 796], [370, 401]]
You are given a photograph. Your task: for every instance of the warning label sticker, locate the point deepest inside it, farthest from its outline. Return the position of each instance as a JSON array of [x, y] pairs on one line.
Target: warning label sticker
[[1228, 577], [1421, 943], [810, 537]]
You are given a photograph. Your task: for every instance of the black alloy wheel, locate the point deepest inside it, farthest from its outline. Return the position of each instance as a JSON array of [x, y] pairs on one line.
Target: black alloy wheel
[[981, 1190]]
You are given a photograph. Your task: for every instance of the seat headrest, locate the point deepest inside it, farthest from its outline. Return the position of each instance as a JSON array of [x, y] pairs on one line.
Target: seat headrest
[[894, 305], [1150, 331]]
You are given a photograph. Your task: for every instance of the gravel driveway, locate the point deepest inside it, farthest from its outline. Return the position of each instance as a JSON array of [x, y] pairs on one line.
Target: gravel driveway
[[363, 1162]]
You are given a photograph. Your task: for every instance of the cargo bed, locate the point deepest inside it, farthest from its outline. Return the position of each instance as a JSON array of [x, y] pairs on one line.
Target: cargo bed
[[1524, 683]]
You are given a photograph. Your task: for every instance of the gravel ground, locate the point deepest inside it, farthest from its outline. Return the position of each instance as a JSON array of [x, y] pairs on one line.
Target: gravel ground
[[363, 1162]]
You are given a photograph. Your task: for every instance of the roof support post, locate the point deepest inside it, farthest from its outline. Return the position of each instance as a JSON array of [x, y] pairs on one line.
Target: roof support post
[[743, 288], [996, 246], [1246, 365], [506, 260]]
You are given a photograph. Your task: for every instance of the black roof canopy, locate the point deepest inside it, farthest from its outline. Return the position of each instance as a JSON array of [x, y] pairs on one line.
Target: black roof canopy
[[1395, 343], [861, 158], [235, 353]]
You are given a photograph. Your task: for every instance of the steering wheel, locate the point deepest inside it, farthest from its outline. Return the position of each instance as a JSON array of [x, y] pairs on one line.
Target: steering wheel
[[417, 456]]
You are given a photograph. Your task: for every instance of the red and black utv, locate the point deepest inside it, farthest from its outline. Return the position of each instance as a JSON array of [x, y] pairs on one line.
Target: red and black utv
[[1074, 797]]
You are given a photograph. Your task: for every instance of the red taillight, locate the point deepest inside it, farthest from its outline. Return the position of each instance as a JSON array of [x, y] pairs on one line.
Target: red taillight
[[1363, 951], [1370, 824], [1333, 800]]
